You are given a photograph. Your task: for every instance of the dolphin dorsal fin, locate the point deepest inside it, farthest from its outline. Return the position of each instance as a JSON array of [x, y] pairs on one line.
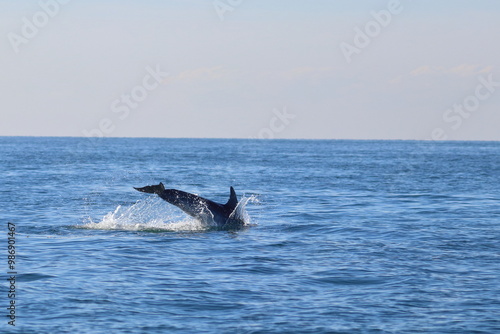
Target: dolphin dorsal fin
[[233, 199]]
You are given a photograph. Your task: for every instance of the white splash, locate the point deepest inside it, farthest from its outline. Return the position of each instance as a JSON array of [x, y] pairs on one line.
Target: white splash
[[145, 215], [239, 212]]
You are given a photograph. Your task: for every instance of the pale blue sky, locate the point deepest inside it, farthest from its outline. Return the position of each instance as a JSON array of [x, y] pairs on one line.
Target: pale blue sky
[[234, 77]]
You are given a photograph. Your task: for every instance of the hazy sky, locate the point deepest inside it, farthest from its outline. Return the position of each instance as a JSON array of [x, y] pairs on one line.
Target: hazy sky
[[251, 68]]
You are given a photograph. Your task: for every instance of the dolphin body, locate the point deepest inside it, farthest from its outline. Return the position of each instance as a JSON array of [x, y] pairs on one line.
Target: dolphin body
[[200, 208]]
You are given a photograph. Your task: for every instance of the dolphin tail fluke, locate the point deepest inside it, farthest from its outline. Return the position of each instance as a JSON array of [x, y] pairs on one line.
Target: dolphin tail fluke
[[155, 189], [233, 199]]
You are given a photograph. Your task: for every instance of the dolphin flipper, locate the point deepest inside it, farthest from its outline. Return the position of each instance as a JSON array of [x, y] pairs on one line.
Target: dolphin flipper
[[155, 189]]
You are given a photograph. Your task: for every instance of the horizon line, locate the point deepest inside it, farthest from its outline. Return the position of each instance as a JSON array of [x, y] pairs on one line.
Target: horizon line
[[253, 138]]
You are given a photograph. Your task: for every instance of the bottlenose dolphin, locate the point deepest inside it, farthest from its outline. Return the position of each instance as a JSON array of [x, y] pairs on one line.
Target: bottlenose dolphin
[[207, 211]]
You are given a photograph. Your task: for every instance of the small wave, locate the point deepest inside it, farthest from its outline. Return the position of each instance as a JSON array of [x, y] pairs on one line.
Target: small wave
[[154, 215], [30, 277]]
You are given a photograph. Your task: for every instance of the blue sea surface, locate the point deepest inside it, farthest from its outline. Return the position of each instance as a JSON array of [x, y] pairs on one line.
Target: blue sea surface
[[342, 236]]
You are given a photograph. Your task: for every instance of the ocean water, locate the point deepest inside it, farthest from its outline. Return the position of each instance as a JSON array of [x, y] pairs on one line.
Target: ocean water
[[341, 237]]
